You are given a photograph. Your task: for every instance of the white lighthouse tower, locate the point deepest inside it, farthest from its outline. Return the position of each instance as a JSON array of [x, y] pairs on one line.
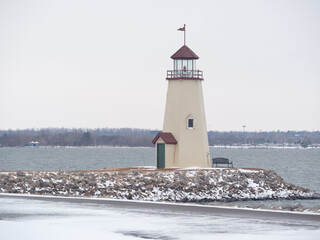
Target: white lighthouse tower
[[184, 139]]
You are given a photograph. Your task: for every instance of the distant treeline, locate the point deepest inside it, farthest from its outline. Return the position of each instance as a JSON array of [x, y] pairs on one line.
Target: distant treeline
[[142, 137], [302, 138], [78, 137]]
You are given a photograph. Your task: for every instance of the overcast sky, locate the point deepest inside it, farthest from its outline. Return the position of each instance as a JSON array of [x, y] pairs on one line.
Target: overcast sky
[[94, 64]]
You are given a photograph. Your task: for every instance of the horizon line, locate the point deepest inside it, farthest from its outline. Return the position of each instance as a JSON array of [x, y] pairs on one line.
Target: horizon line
[[147, 129]]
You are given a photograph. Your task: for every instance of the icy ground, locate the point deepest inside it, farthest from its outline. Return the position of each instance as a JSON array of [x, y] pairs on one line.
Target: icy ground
[[38, 219]]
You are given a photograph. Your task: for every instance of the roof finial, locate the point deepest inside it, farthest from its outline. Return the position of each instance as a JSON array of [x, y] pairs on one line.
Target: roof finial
[[184, 30]]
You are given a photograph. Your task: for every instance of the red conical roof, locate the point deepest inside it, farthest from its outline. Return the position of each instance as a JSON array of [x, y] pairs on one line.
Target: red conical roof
[[184, 53]]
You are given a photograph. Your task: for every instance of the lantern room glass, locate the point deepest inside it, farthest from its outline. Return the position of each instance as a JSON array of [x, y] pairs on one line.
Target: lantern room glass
[[184, 64]]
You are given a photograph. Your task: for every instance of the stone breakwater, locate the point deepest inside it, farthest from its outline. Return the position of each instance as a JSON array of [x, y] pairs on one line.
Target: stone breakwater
[[180, 185]]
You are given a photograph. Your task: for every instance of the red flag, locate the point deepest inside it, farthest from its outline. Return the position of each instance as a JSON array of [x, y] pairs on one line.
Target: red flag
[[182, 29]]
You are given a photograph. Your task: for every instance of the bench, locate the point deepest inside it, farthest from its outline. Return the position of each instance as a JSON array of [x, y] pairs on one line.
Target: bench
[[220, 160]]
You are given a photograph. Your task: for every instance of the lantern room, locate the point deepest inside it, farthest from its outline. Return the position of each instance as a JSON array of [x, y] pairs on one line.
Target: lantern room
[[184, 65]]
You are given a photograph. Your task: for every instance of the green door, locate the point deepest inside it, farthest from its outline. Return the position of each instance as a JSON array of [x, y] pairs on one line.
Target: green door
[[160, 155]]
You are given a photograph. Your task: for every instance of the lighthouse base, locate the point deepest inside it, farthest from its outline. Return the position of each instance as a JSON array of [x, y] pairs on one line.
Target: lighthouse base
[[185, 120]]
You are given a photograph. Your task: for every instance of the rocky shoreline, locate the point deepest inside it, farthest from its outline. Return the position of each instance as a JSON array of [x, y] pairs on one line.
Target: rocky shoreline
[[178, 185]]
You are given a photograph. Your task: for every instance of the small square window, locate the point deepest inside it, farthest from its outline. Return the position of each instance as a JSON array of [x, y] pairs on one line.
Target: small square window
[[191, 122]]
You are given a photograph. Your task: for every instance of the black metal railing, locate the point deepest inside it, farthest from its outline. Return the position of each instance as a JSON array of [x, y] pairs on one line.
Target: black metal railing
[[184, 74]]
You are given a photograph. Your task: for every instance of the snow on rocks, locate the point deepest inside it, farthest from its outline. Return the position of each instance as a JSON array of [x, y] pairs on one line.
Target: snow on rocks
[[179, 185]]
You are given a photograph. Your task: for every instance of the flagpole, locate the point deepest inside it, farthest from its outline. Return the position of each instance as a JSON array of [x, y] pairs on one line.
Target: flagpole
[[184, 34]]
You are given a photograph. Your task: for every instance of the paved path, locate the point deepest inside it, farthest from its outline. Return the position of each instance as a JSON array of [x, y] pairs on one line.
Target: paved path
[[173, 207]]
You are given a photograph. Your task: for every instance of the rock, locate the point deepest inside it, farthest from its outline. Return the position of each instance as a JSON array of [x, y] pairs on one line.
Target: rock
[[297, 206], [74, 186], [290, 187], [20, 174], [43, 184], [257, 206], [291, 207], [315, 209], [193, 185], [92, 184]]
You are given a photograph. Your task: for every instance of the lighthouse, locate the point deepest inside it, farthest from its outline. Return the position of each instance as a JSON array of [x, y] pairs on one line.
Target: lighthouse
[[184, 140]]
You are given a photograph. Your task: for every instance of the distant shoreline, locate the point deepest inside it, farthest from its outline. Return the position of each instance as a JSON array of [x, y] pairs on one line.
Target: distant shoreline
[[280, 146], [143, 137]]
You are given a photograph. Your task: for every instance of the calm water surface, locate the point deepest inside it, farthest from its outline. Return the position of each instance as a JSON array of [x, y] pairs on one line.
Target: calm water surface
[[30, 158]]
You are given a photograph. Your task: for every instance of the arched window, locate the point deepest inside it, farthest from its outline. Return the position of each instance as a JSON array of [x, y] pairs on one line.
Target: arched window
[[191, 122]]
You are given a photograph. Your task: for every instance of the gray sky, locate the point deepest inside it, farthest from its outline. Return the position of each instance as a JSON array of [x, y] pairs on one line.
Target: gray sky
[[101, 63]]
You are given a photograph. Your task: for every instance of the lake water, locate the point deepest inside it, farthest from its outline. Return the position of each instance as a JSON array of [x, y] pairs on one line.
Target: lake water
[[297, 166]]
